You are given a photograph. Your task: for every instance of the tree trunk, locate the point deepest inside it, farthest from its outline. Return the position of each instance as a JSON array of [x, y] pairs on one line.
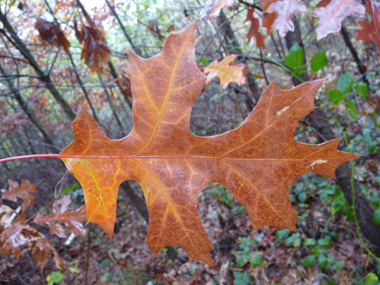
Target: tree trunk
[[29, 112], [44, 77]]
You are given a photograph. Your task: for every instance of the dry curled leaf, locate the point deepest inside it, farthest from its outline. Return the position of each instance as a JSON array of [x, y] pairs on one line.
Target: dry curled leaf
[[254, 29], [52, 34], [370, 31], [227, 71], [60, 214], [78, 32], [257, 161], [95, 50], [125, 85], [331, 16], [6, 216], [170, 28], [22, 191], [21, 234], [154, 30], [285, 10]]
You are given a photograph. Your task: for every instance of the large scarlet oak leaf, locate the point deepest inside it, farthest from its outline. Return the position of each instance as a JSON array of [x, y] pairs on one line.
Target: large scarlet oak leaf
[[256, 162]]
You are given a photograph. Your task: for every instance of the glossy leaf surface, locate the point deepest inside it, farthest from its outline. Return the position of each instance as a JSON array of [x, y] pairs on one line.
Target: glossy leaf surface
[[256, 162], [21, 234], [318, 61], [285, 10], [331, 16]]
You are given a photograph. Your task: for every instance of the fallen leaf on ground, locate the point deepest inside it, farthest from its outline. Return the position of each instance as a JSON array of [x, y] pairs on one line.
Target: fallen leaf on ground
[[60, 214], [22, 191], [21, 234]]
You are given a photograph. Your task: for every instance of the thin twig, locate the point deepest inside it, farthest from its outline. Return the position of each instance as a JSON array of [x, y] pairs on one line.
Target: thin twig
[[87, 255]]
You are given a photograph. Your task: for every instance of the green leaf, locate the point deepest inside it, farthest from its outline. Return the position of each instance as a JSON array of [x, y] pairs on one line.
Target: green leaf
[[309, 241], [338, 265], [70, 188], [322, 260], [331, 259], [371, 279], [257, 259], [302, 197], [294, 57], [335, 95], [352, 109], [242, 278], [319, 61], [308, 261], [204, 61], [361, 89], [55, 277], [324, 242], [376, 216], [345, 82], [240, 262], [73, 270], [282, 234], [331, 282]]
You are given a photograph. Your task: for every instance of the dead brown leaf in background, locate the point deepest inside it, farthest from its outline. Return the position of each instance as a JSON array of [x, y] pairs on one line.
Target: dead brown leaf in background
[[51, 33]]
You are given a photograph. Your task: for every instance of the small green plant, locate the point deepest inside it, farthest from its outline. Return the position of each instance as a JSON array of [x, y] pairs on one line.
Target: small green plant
[[242, 278], [246, 252], [54, 278]]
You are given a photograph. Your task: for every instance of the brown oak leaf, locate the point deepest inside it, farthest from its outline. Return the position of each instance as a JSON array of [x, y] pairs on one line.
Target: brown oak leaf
[[227, 71], [254, 29], [370, 31], [60, 214], [22, 191], [154, 30], [95, 50], [323, 3], [269, 18], [52, 34], [125, 85], [331, 16], [285, 10], [18, 234], [257, 161]]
